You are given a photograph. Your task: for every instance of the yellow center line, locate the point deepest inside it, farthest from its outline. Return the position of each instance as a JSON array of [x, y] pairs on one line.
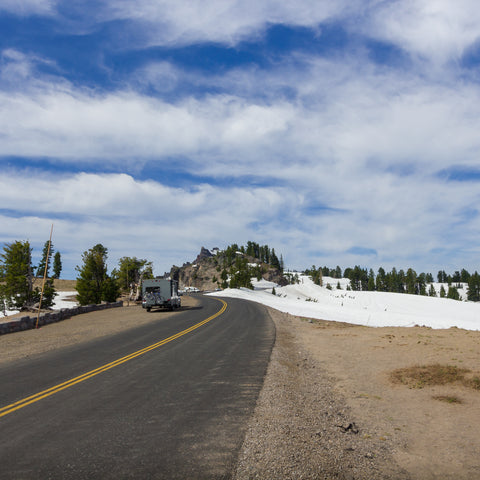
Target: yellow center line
[[73, 381]]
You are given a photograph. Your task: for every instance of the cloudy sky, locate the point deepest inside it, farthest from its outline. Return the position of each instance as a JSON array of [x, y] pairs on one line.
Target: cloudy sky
[[339, 132]]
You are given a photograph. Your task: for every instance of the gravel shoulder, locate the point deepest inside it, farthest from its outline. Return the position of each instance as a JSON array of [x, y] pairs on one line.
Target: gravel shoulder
[[328, 409]]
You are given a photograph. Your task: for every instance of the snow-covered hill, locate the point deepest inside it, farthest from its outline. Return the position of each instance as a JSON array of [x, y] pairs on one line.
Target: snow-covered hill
[[375, 309]]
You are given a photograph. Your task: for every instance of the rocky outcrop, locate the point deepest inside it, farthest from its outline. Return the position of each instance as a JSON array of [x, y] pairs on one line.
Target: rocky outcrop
[[205, 272], [204, 253]]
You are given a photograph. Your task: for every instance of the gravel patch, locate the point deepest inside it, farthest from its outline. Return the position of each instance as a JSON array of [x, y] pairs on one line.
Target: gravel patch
[[303, 429]]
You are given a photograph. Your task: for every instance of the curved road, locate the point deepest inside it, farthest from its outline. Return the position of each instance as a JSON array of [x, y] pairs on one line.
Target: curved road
[[177, 410]]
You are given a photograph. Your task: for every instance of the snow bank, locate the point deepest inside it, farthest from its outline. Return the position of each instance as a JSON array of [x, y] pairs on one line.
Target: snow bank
[[60, 302], [374, 309]]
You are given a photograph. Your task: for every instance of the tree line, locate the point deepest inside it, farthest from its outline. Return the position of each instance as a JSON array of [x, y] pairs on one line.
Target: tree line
[[399, 281], [94, 284]]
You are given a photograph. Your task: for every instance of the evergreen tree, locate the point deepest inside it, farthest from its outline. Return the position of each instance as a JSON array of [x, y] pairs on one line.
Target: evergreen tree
[[453, 293], [411, 281], [473, 293], [47, 252], [347, 272], [48, 289], [57, 265], [371, 281], [456, 277], [240, 274], [380, 281], [442, 276], [274, 261], [421, 284], [338, 272], [358, 278], [131, 269], [464, 276], [401, 281], [317, 276], [93, 282], [110, 287], [443, 294], [431, 291], [17, 277], [224, 277]]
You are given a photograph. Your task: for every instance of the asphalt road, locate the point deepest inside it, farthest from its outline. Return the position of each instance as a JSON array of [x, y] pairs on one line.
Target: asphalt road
[[177, 411]]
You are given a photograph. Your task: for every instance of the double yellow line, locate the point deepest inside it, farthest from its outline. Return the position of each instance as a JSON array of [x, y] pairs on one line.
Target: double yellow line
[[73, 381]]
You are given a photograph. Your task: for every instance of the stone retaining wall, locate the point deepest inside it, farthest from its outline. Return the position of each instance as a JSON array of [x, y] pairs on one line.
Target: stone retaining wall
[[25, 323]]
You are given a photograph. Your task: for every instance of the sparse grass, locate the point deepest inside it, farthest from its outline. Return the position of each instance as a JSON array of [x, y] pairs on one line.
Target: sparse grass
[[447, 399], [60, 284], [428, 375], [474, 382]]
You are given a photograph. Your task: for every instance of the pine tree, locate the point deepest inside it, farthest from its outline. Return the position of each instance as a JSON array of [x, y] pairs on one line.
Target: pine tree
[[453, 293], [380, 280], [411, 281], [224, 277], [371, 281], [93, 282], [474, 288], [17, 275], [274, 261], [110, 287], [431, 291], [57, 265], [464, 276], [47, 252], [443, 294], [441, 276], [131, 269], [317, 276]]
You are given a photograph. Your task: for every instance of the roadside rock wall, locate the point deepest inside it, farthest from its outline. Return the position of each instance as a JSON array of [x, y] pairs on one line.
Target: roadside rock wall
[[25, 323]]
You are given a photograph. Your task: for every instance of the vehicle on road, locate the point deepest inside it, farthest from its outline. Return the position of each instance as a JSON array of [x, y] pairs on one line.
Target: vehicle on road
[[160, 292]]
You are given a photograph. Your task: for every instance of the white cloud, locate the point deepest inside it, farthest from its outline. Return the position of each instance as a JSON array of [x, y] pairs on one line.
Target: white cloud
[[134, 218], [339, 133], [439, 30], [436, 31], [404, 219], [170, 22], [340, 112]]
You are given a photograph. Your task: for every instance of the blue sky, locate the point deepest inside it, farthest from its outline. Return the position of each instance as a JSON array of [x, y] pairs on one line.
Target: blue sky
[[340, 133]]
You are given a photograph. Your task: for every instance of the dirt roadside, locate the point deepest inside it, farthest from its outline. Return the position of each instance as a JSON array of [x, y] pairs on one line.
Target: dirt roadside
[[328, 409]]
